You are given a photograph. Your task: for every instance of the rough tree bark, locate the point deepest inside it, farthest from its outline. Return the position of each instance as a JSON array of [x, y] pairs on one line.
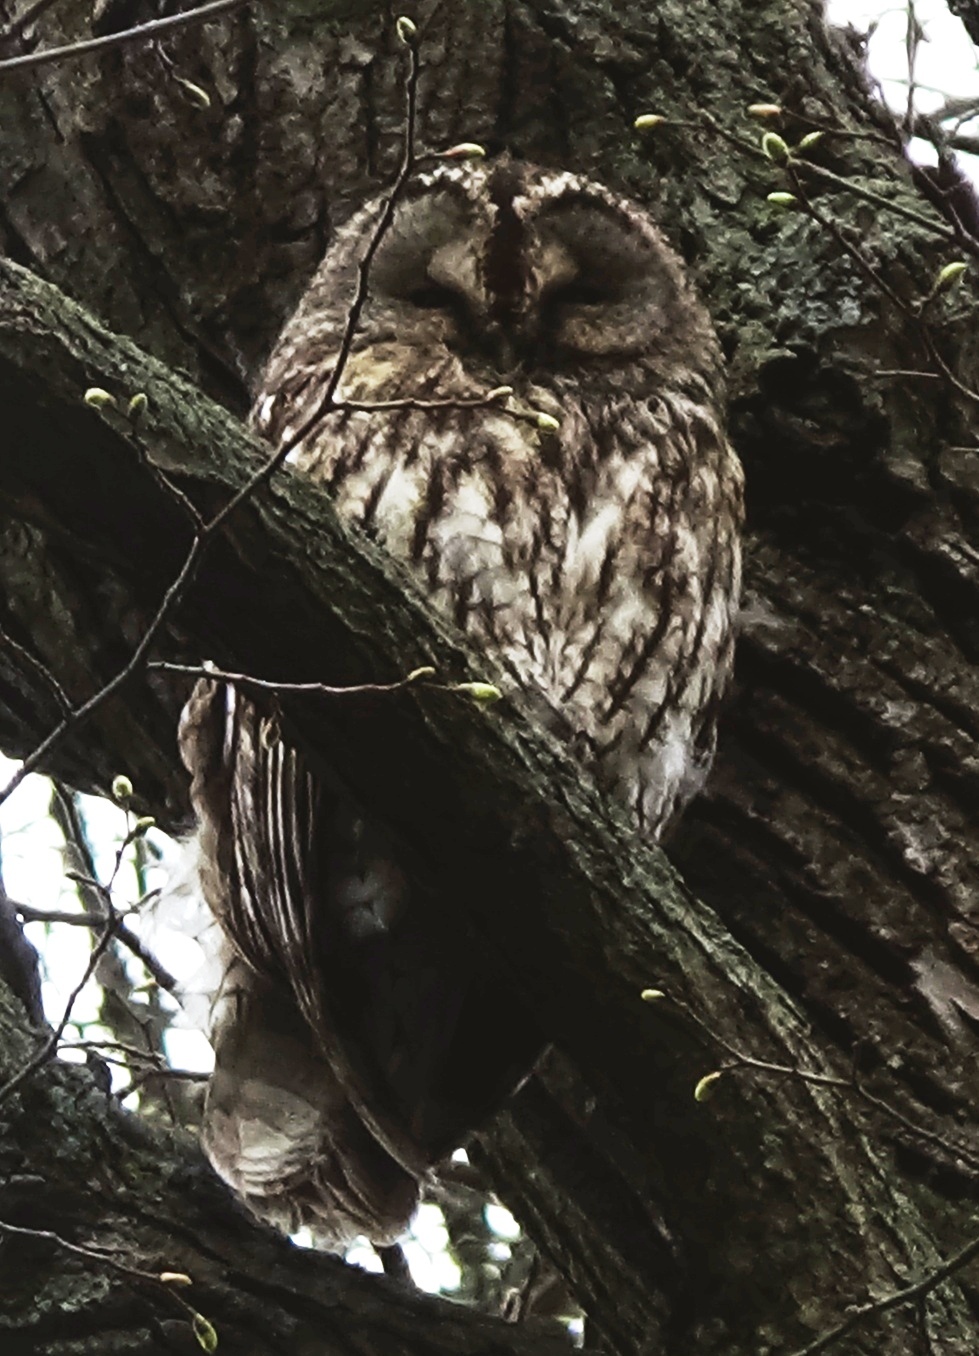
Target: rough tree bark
[[836, 850]]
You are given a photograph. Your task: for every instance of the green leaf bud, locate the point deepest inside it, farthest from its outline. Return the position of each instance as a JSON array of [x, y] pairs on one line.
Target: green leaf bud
[[205, 1333], [705, 1087], [775, 147], [175, 1278], [950, 275], [484, 693], [194, 93], [465, 150]]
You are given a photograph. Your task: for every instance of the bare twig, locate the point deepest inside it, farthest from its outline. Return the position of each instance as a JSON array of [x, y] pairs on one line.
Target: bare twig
[[416, 403], [913, 37], [70, 916], [870, 272], [165, 1279], [938, 229], [916, 1291], [46, 676], [77, 1250], [50, 1044], [739, 1059], [245, 680], [139, 33]]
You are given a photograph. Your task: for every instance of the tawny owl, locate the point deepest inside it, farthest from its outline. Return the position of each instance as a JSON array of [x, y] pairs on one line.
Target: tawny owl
[[597, 560]]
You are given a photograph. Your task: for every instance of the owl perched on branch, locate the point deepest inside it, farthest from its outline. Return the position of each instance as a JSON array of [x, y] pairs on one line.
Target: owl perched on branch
[[594, 554]]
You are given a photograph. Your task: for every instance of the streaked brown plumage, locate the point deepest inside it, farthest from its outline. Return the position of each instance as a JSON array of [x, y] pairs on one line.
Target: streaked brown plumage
[[600, 565]]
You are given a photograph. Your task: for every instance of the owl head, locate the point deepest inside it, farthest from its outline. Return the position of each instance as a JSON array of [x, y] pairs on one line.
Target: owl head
[[516, 270]]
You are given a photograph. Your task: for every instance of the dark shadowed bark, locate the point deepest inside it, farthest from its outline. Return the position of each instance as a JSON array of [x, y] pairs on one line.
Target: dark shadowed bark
[[835, 852]]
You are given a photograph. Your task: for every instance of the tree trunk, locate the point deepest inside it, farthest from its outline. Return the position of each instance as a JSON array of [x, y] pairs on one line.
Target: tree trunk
[[835, 849]]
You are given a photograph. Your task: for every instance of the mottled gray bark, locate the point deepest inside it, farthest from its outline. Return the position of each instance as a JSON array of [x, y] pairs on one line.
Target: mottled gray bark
[[836, 846]]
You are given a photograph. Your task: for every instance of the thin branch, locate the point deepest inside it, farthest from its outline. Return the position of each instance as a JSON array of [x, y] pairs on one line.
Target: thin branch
[[913, 37], [916, 1291], [77, 1250], [159, 973], [167, 1280], [72, 917], [46, 676], [869, 271], [740, 1060], [416, 403], [163, 1076], [50, 1044], [245, 680], [124, 1056], [938, 229], [140, 32]]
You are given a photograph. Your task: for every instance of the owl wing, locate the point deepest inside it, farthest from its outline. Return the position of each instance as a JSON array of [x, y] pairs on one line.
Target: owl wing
[[282, 1129], [345, 996]]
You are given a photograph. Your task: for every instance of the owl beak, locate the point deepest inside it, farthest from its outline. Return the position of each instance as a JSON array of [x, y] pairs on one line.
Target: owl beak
[[501, 348]]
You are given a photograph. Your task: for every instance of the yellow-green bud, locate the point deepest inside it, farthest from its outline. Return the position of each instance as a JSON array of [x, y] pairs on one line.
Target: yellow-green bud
[[416, 675], [775, 147], [406, 30], [950, 275], [546, 422], [485, 693], [782, 199], [142, 824], [646, 121], [652, 995], [194, 93], [204, 1331], [175, 1278], [465, 150], [764, 110], [122, 788], [98, 399], [810, 139], [137, 405], [705, 1087]]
